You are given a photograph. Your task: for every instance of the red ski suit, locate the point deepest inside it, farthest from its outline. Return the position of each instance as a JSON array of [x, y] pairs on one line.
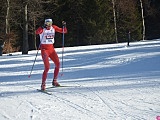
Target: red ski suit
[[47, 49]]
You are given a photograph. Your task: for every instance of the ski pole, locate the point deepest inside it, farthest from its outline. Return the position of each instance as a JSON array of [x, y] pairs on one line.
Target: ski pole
[[35, 58], [33, 63], [62, 50]]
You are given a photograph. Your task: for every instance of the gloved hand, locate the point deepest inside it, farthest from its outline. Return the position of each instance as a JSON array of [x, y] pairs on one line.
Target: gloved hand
[[64, 23]]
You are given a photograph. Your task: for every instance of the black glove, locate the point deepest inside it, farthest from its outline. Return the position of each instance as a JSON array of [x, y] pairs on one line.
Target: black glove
[[64, 23]]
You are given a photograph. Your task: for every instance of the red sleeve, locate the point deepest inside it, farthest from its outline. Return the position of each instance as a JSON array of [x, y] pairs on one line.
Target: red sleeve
[[39, 30], [58, 29]]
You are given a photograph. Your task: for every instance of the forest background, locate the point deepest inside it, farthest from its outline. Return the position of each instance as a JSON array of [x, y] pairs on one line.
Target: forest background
[[89, 22]]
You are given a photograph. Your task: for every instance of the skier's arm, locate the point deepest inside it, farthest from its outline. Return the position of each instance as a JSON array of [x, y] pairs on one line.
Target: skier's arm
[[60, 30], [39, 30]]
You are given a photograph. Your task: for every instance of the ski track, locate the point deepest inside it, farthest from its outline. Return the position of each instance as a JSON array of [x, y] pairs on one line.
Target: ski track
[[74, 105], [113, 100], [69, 103], [81, 109], [114, 112], [125, 105], [97, 96], [101, 99]]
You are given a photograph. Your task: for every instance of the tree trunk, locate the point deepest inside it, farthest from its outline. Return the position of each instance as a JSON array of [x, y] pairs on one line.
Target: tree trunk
[[115, 22], [35, 43], [25, 31], [7, 27], [143, 36]]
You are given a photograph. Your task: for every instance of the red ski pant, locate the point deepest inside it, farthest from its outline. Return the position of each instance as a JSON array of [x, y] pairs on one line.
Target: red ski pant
[[48, 51]]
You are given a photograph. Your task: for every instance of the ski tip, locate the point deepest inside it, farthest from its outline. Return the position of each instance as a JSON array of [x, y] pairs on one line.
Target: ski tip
[[44, 91]]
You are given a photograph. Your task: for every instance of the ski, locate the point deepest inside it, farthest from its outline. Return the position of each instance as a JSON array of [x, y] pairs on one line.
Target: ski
[[49, 93], [53, 87], [44, 91], [62, 86]]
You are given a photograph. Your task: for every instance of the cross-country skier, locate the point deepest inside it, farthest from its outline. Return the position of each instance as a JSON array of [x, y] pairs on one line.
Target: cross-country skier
[[47, 34]]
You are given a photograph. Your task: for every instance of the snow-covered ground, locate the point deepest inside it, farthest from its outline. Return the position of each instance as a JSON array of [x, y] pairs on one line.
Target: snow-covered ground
[[107, 82]]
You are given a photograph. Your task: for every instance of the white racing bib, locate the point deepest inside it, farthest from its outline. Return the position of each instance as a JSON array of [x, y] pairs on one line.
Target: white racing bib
[[47, 36]]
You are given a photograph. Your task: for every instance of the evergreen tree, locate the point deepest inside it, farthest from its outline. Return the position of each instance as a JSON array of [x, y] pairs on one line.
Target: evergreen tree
[[128, 20], [88, 21], [99, 28]]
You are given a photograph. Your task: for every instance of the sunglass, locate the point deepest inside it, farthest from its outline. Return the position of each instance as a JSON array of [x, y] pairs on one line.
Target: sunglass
[[48, 22]]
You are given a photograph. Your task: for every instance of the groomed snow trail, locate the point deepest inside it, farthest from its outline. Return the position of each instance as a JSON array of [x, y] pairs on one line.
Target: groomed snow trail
[[107, 82]]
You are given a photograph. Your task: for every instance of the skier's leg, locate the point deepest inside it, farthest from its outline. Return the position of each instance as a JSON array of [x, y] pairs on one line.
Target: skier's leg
[[46, 66], [54, 57]]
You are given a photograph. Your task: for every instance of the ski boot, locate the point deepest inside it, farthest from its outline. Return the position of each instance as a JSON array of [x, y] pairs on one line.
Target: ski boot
[[55, 83], [43, 86]]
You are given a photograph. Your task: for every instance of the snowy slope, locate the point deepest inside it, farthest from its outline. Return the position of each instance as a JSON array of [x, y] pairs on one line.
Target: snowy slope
[[107, 82]]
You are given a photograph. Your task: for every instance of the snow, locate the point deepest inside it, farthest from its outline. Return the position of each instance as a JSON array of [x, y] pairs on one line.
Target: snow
[[105, 82]]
